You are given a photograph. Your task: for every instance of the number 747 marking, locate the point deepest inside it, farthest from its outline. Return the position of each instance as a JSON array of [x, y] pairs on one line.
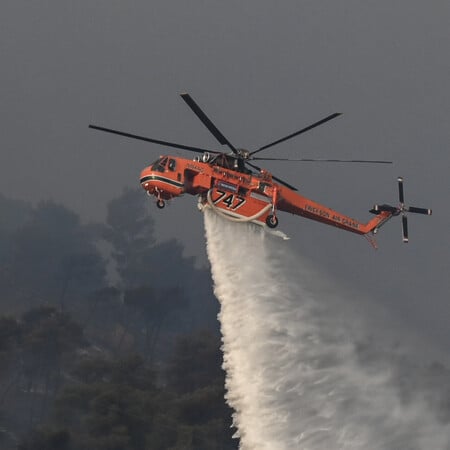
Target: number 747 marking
[[231, 201]]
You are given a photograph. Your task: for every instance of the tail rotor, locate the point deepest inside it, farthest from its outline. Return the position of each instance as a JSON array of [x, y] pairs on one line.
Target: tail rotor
[[404, 209], [401, 209]]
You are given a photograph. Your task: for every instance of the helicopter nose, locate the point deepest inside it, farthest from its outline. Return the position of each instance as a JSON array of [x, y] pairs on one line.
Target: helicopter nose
[[145, 179]]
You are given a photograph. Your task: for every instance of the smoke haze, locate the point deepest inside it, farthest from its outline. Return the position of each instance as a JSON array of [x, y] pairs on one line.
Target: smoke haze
[[303, 369]]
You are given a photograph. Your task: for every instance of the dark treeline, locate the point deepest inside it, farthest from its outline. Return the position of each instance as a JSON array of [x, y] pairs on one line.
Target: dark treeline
[[108, 339]]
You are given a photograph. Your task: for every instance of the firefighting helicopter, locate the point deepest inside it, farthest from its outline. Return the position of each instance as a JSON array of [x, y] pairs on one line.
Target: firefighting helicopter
[[224, 182]]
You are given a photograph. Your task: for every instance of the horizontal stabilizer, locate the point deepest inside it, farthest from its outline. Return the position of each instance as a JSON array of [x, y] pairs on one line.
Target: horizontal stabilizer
[[378, 208]]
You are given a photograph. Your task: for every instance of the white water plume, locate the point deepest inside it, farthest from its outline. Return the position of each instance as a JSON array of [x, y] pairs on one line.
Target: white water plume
[[301, 370]]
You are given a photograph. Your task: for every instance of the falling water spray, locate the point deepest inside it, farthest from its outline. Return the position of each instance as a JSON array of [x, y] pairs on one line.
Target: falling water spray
[[297, 373]]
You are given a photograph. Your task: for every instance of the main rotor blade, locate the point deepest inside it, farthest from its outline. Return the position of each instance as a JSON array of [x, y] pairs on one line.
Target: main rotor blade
[[154, 141], [425, 211], [326, 160], [303, 130], [206, 121], [401, 195], [274, 177]]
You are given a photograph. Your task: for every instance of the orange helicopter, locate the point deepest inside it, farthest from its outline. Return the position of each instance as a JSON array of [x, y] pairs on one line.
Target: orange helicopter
[[224, 182]]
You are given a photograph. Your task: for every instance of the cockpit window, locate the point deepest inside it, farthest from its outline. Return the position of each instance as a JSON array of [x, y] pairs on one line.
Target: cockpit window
[[172, 164], [160, 164]]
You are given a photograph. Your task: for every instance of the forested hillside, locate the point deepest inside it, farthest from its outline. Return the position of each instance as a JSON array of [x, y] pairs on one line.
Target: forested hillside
[[108, 338]]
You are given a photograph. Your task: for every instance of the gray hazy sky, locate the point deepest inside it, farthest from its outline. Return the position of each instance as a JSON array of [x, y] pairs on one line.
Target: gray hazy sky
[[261, 70]]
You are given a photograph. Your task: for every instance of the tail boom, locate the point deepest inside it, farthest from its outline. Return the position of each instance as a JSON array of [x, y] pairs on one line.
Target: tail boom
[[296, 204]]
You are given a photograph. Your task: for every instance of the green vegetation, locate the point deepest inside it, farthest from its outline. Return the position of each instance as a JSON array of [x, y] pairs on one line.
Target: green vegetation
[[108, 339]]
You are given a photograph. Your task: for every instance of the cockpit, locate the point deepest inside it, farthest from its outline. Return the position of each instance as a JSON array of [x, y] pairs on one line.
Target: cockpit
[[163, 163]]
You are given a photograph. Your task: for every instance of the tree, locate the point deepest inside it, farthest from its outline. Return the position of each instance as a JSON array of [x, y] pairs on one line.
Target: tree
[[13, 214], [106, 319], [194, 372], [9, 340], [46, 439], [151, 309], [196, 362], [142, 263], [113, 407], [35, 352], [129, 230], [9, 335], [53, 256], [49, 339]]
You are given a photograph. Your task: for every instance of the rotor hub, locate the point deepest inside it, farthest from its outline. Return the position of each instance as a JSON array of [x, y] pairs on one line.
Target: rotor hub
[[243, 153]]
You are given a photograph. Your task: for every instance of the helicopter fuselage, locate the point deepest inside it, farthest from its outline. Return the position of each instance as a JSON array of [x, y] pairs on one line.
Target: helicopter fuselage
[[240, 195], [225, 182]]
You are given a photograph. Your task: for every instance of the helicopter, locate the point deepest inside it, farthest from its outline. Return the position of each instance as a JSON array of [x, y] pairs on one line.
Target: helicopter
[[236, 188]]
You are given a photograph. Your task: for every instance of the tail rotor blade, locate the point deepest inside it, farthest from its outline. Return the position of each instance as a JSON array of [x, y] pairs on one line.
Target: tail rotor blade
[[425, 211], [401, 209], [405, 228], [401, 195]]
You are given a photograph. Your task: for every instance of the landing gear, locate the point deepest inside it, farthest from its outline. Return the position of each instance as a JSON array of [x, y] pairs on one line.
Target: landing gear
[[272, 221], [160, 204]]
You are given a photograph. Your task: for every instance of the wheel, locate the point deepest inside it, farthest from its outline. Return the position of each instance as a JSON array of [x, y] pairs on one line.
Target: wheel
[[160, 204], [271, 221]]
